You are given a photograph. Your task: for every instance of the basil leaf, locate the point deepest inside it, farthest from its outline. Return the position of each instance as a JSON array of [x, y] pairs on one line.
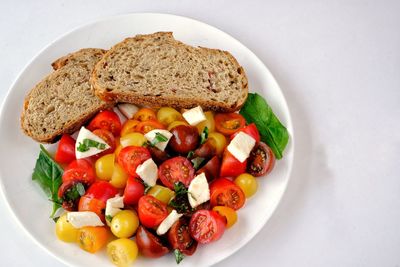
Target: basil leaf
[[272, 132], [109, 218], [47, 173], [197, 162], [158, 139], [178, 256], [204, 135], [190, 154], [88, 143]]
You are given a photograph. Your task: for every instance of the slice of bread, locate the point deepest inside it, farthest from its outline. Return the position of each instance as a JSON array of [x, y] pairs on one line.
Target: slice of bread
[[64, 100], [157, 70]]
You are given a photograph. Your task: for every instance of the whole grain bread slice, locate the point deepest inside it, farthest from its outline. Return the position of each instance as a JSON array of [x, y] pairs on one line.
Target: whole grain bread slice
[[64, 100], [157, 70]]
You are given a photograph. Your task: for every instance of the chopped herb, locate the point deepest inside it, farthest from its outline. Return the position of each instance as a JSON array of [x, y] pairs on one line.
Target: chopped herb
[[55, 219], [47, 174], [109, 218], [74, 192], [146, 186], [88, 143], [178, 256], [180, 188], [181, 202], [204, 135], [197, 162], [158, 139], [190, 154]]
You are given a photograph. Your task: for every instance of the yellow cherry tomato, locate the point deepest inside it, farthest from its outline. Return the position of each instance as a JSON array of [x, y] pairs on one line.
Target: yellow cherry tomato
[[166, 115], [133, 139], [117, 150], [176, 123], [129, 127], [92, 239], [105, 167], [247, 183], [122, 252], [229, 214], [124, 223], [162, 193], [64, 229], [218, 141], [119, 176], [145, 114], [209, 122]]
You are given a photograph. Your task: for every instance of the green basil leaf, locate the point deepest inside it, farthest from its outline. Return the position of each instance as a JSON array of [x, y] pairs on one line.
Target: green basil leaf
[[179, 256], [204, 135], [197, 162], [88, 143], [158, 139]]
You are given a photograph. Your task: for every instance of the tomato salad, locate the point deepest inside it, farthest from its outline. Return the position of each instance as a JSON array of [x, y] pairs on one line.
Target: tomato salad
[[160, 181]]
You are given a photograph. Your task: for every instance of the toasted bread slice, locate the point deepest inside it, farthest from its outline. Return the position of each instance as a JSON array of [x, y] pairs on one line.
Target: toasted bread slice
[[64, 100], [157, 70]]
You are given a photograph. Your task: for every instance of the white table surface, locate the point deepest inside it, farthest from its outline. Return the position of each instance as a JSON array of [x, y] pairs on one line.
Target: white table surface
[[338, 64]]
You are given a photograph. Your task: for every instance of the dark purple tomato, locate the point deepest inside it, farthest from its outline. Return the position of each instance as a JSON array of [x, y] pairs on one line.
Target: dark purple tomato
[[184, 139]]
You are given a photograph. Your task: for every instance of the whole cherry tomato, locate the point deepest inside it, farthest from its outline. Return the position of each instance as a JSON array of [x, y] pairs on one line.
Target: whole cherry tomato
[[107, 120], [134, 190], [149, 244], [230, 166], [251, 130], [184, 139], [66, 149]]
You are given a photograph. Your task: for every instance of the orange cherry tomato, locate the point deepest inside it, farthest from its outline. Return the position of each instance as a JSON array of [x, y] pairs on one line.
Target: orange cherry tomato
[[92, 239], [146, 126], [229, 123], [107, 120], [129, 127], [145, 114]]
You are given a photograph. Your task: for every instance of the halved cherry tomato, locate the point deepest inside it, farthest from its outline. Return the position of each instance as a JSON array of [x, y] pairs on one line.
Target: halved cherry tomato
[[131, 157], [224, 192], [151, 211], [178, 169], [211, 169], [78, 174], [149, 244], [102, 191], [85, 164], [145, 114], [179, 237], [206, 226], [66, 149], [230, 166], [109, 138], [251, 130], [129, 127], [229, 123], [134, 190], [88, 203], [69, 194], [92, 239], [107, 120], [228, 213], [146, 126], [261, 160], [184, 139]]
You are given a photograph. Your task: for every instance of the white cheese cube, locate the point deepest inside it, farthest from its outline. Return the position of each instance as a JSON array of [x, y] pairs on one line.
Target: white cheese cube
[[194, 116], [198, 191], [86, 134], [80, 219], [114, 205], [128, 110], [148, 172], [168, 222], [241, 146], [152, 135]]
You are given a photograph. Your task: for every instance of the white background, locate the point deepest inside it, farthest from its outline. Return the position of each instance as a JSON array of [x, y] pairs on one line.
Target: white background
[[338, 64]]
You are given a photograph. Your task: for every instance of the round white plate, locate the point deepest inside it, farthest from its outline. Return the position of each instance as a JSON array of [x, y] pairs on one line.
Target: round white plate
[[18, 153]]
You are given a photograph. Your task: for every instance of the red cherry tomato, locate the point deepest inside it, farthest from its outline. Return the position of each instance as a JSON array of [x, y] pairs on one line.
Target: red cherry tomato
[[66, 149], [102, 191], [134, 190], [131, 157], [229, 123], [149, 244], [78, 174], [184, 139], [109, 138], [107, 120], [85, 164], [224, 192], [178, 169], [88, 203], [211, 169], [251, 130], [69, 194], [261, 160], [146, 126], [206, 226], [179, 237], [230, 166], [151, 211]]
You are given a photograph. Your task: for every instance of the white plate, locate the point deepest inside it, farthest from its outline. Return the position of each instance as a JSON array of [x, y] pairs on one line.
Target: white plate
[[18, 152]]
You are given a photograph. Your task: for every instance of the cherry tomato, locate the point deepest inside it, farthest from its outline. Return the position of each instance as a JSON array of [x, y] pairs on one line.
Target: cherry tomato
[[133, 139], [149, 244], [124, 224], [230, 166], [69, 194], [122, 252], [119, 176], [102, 191], [158, 155], [228, 213], [109, 138], [134, 190], [251, 130], [87, 203], [131, 157], [211, 169], [179, 237], [65, 231], [162, 193], [107, 120], [145, 114], [151, 211], [184, 139], [178, 169], [167, 115], [105, 167], [261, 160], [66, 149], [92, 239], [129, 127], [146, 126], [218, 141], [247, 183], [224, 192], [85, 168], [176, 123], [77, 174], [206, 226], [209, 123], [206, 151], [229, 123]]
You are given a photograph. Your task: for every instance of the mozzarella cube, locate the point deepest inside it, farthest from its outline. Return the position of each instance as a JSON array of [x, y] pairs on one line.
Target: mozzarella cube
[[86, 134], [194, 116], [80, 219], [128, 110], [148, 172], [241, 146], [150, 136], [114, 205], [168, 222], [198, 191]]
